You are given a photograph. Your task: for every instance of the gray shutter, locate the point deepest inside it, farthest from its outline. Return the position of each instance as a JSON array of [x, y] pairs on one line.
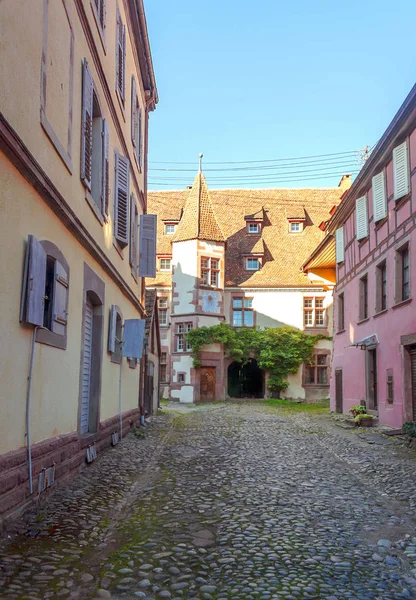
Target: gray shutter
[[139, 150], [379, 197], [123, 71], [133, 111], [118, 56], [147, 266], [112, 329], [86, 366], [105, 168], [133, 231], [34, 283], [121, 202], [361, 219], [60, 299], [133, 338], [401, 171], [339, 245], [86, 135], [103, 14]]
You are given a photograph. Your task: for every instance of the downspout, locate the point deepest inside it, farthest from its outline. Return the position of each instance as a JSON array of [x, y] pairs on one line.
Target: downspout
[[29, 389]]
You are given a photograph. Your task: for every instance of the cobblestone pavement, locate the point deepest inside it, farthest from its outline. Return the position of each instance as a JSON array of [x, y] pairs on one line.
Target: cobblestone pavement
[[225, 502]]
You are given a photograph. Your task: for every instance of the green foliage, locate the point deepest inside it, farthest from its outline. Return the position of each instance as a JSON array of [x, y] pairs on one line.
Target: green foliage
[[409, 428], [280, 350], [358, 409], [361, 417]]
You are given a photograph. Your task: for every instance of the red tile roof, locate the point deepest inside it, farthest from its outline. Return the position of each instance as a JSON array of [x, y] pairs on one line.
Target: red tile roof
[[284, 252]]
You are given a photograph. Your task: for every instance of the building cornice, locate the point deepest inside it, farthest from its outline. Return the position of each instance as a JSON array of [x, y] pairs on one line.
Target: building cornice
[[24, 161]]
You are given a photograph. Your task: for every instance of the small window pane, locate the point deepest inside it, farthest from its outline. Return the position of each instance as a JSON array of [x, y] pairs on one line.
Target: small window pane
[[165, 264], [319, 302], [308, 302], [322, 376], [163, 302], [204, 277], [205, 263], [253, 264], [320, 317], [253, 227], [180, 328], [163, 356], [214, 278], [295, 227], [321, 359], [308, 318], [237, 318], [309, 374], [188, 326], [248, 318], [248, 302], [163, 317], [237, 302], [215, 263], [170, 229]]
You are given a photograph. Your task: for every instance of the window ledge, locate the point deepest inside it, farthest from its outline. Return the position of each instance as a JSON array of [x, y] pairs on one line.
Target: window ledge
[[94, 207], [50, 338], [340, 331], [399, 203], [380, 312], [316, 385], [316, 330], [210, 287], [401, 303], [363, 320], [115, 359]]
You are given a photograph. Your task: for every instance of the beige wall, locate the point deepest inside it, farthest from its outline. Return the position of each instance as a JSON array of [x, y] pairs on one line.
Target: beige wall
[[20, 67], [55, 388]]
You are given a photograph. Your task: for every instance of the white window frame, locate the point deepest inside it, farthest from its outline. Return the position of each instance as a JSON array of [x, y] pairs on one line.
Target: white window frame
[[164, 269], [255, 225], [251, 258], [169, 225], [163, 309], [295, 227], [313, 310], [210, 273], [181, 344]]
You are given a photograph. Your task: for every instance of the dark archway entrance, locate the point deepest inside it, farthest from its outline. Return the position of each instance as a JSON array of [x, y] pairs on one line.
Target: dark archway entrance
[[245, 381]]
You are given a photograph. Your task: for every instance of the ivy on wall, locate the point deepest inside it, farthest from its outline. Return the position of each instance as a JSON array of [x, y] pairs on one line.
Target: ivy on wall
[[280, 351]]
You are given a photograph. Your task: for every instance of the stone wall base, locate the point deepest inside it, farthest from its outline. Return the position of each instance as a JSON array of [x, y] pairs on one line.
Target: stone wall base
[[67, 451]]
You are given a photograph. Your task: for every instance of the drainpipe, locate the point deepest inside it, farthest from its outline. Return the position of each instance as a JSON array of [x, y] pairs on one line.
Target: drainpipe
[[119, 387]]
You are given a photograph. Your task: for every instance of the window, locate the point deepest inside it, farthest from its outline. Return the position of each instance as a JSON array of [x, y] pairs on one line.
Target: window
[[115, 333], [120, 57], [165, 264], [341, 313], [390, 386], [100, 14], [121, 200], [163, 366], [402, 274], [163, 312], [253, 227], [136, 124], [243, 315], [363, 285], [181, 377], [401, 171], [317, 372], [170, 228], [381, 287], [45, 288], [181, 344], [94, 147], [210, 271], [314, 312], [252, 264], [294, 228]]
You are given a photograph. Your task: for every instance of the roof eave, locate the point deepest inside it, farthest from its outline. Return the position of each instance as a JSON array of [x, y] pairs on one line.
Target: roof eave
[[138, 18]]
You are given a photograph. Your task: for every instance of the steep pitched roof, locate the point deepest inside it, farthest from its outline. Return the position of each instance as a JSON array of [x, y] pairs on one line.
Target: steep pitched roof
[[284, 252], [198, 219]]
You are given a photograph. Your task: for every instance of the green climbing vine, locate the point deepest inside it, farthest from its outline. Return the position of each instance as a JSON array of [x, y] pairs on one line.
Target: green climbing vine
[[280, 350]]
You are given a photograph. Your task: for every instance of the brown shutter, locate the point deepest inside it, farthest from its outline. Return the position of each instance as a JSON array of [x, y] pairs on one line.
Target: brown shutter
[[112, 329], [86, 135], [60, 299], [105, 169], [34, 279], [147, 266], [133, 111], [121, 208]]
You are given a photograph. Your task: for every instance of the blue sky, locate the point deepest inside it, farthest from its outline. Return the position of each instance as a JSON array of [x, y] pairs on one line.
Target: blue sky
[[253, 81]]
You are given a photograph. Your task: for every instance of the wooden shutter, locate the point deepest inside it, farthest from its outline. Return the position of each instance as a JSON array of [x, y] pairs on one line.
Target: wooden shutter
[[133, 111], [401, 171], [123, 71], [34, 280], [147, 266], [86, 135], [134, 231], [121, 55], [105, 168], [121, 202], [361, 219], [86, 366], [339, 244], [60, 299], [103, 13], [379, 197], [112, 326], [133, 338], [139, 150]]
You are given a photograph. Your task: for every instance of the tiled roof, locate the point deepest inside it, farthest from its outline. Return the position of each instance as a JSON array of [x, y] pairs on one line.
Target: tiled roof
[[198, 219], [284, 252]]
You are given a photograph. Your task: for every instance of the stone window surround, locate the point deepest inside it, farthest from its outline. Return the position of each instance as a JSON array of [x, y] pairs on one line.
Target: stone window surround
[[318, 352]]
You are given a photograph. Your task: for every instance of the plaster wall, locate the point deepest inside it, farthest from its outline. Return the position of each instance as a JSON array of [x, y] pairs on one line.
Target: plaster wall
[[184, 278], [55, 388]]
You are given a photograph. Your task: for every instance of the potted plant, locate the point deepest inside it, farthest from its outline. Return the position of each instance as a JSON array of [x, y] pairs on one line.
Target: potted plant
[[364, 420], [358, 409]]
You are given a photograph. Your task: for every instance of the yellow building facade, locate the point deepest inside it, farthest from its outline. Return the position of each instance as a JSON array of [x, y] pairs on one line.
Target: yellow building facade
[[77, 86]]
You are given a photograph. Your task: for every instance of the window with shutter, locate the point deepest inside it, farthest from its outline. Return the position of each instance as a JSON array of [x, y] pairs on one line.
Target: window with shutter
[[147, 267], [121, 54], [121, 200], [112, 329], [87, 118], [60, 299], [115, 333], [401, 171], [133, 338], [379, 197], [140, 140], [134, 234], [134, 119], [339, 244], [361, 219]]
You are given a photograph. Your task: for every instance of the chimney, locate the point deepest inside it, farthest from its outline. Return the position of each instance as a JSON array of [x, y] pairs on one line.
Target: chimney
[[345, 182]]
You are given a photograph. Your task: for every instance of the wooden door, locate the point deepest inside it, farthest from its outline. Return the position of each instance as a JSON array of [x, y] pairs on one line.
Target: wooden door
[[413, 371], [338, 391], [372, 379], [86, 367], [207, 384]]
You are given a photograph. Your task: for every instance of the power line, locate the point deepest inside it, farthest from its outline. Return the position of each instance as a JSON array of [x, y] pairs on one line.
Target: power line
[[166, 162]]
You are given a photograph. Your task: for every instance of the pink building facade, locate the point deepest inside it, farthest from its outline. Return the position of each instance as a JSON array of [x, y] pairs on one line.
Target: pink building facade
[[371, 243]]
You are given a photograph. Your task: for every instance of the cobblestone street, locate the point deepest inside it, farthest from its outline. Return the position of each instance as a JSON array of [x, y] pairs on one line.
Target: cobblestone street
[[226, 501]]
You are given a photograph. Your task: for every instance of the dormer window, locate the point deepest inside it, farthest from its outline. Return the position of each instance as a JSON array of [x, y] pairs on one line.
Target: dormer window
[[165, 264], [295, 227], [170, 229], [253, 264], [253, 227]]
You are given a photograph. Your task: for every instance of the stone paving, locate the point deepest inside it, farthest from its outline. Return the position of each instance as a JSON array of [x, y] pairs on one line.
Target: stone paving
[[225, 502]]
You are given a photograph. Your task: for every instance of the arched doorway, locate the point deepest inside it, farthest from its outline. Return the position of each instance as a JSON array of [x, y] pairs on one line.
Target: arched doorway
[[245, 381]]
